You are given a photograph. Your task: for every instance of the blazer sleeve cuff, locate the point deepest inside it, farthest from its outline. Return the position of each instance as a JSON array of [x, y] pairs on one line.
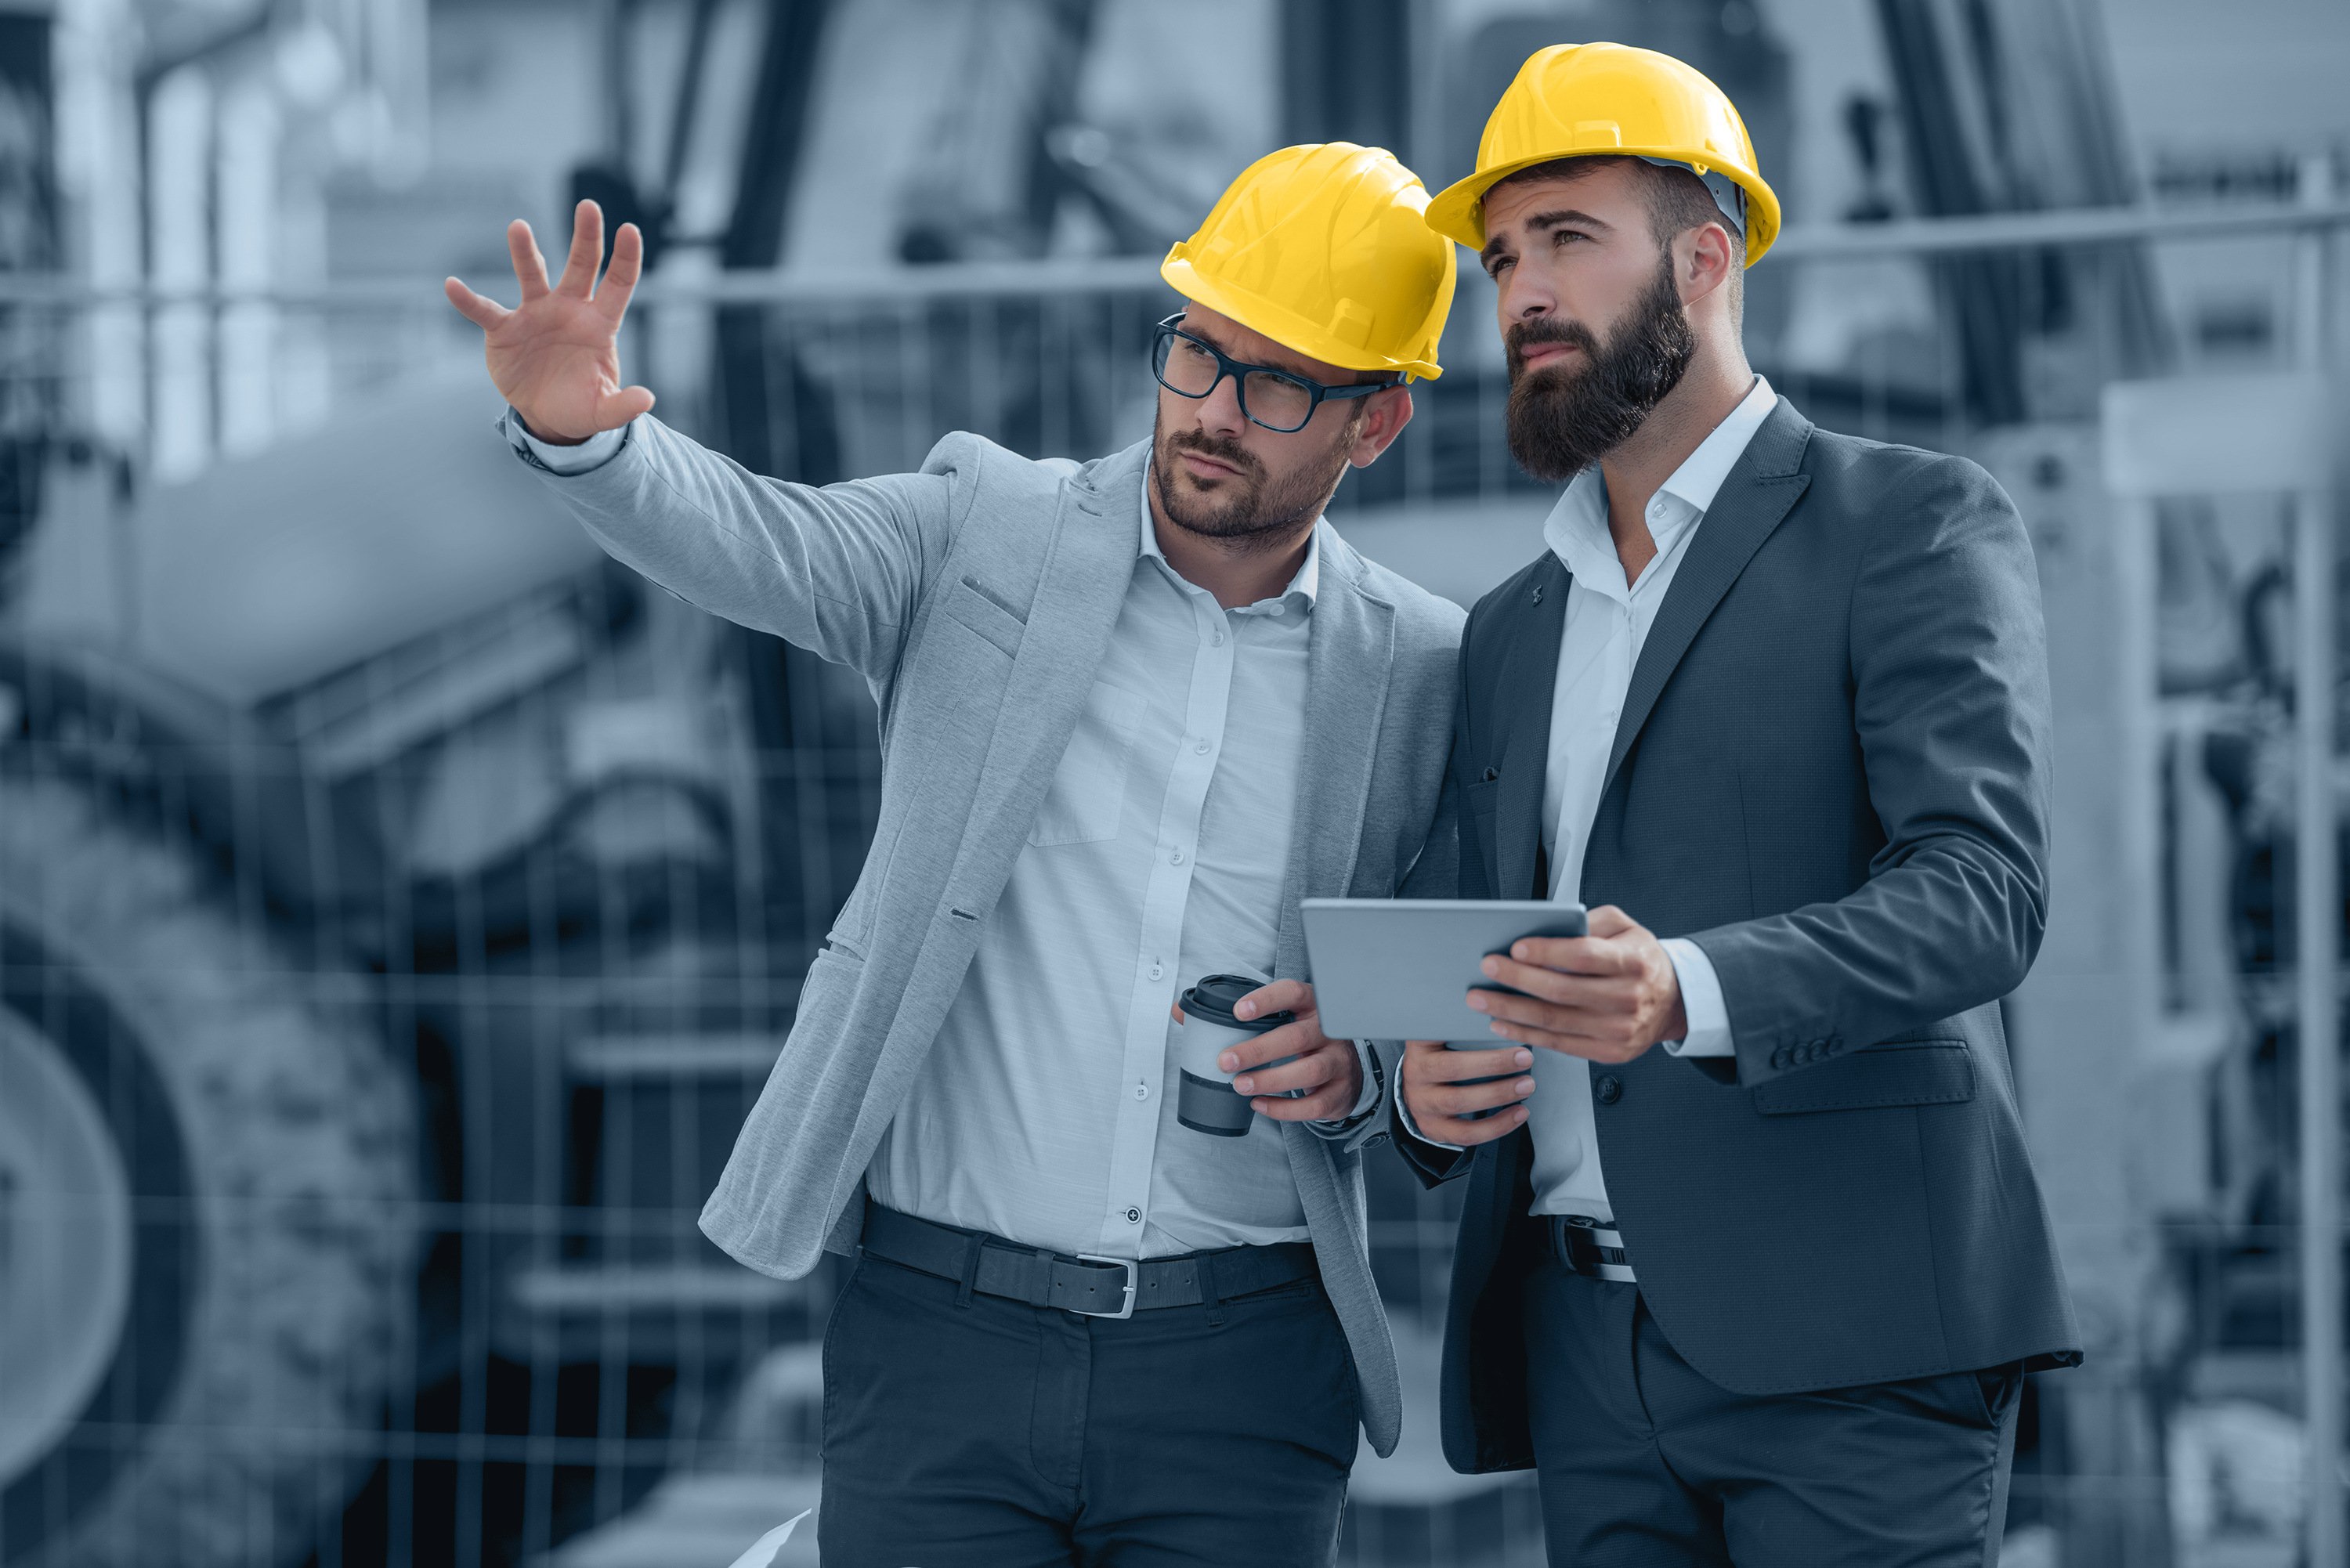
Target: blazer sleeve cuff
[[1434, 1163], [564, 462], [1366, 1103]]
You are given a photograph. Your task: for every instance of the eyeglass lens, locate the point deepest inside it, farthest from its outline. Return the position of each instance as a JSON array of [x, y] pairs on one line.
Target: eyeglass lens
[[1272, 401]]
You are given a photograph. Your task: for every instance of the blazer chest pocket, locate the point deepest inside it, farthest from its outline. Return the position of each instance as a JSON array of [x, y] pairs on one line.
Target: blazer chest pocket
[[1087, 797], [1907, 1073], [977, 610], [1483, 794]]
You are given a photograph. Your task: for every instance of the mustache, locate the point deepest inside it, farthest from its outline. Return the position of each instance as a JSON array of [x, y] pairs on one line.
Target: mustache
[[1223, 449], [1524, 335]]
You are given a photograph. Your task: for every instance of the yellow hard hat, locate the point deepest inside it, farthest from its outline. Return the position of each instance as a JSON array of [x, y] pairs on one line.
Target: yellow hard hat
[[1325, 250], [1574, 101]]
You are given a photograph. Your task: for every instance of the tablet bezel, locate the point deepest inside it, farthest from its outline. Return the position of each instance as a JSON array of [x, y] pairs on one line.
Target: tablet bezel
[[1402, 969]]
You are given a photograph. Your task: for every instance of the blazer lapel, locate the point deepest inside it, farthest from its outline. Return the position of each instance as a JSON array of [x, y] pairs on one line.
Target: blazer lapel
[[1087, 570], [1757, 493], [1521, 709], [1350, 647]]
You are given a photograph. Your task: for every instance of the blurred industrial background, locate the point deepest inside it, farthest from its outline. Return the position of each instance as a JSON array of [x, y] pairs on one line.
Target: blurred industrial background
[[400, 905]]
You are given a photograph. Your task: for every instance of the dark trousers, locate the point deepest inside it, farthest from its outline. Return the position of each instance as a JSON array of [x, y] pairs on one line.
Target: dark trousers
[[963, 1430], [1646, 1464]]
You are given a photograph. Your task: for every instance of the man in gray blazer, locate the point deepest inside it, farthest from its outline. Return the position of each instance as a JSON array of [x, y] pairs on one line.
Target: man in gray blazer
[[1752, 1259], [1132, 711]]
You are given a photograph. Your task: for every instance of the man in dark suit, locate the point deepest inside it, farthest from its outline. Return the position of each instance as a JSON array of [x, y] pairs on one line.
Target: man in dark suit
[[1752, 1259]]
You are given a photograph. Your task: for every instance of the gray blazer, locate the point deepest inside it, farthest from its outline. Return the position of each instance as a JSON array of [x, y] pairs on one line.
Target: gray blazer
[[975, 598], [1832, 773]]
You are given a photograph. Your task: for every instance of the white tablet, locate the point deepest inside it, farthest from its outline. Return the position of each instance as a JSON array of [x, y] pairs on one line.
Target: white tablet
[[1402, 969]]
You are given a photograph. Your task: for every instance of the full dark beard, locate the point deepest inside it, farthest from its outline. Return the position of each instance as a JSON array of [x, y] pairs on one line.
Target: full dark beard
[[1562, 418], [1252, 509]]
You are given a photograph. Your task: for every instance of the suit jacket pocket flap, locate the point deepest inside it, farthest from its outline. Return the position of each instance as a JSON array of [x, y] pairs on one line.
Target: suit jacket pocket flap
[[1918, 1073], [978, 609]]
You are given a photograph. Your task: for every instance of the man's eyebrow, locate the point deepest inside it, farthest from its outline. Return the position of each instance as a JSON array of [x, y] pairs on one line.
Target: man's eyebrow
[[1194, 328], [1556, 218]]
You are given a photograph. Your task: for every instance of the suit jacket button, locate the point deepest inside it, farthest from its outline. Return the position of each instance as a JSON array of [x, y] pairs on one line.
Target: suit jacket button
[[1779, 1058], [1611, 1089]]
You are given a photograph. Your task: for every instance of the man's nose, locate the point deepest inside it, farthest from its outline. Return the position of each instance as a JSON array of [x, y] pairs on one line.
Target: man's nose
[[1524, 298], [1220, 411]]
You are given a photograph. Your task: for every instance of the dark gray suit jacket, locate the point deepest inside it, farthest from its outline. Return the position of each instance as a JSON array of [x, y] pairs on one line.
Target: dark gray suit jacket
[[1832, 773]]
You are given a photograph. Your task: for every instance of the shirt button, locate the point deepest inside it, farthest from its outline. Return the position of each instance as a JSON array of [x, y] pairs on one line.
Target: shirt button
[[1141, 1091], [1218, 640], [1174, 857], [1134, 1216], [1157, 971], [1200, 747]]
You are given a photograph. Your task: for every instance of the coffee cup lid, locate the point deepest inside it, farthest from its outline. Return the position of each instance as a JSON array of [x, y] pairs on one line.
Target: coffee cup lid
[[1212, 999]]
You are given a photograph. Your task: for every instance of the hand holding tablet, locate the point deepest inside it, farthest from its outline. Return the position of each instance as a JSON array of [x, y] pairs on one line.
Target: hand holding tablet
[[1402, 969]]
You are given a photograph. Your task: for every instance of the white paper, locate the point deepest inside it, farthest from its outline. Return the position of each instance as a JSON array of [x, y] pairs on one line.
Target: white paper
[[763, 1551]]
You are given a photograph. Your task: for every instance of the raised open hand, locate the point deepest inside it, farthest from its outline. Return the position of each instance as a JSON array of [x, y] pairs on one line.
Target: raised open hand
[[556, 355]]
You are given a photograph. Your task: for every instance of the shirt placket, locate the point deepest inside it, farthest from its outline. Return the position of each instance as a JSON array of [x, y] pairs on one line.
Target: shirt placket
[[1174, 853]]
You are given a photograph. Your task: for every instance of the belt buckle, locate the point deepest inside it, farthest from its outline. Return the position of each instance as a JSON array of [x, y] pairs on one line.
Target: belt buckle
[[1133, 1283], [1601, 1240]]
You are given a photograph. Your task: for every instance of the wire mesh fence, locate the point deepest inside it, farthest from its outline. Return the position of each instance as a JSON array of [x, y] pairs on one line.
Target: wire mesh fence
[[401, 905]]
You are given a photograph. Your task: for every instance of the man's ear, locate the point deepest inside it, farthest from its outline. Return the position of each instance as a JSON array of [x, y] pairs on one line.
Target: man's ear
[[1705, 264], [1390, 411]]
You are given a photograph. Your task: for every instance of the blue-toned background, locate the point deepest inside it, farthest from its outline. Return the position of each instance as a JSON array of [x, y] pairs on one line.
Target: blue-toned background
[[400, 904]]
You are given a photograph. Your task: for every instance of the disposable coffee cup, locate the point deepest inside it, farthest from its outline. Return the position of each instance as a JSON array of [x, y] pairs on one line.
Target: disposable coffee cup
[[1205, 1100]]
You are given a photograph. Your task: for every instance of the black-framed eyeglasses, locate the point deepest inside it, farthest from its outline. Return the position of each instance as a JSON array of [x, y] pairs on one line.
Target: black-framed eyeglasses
[[1193, 367]]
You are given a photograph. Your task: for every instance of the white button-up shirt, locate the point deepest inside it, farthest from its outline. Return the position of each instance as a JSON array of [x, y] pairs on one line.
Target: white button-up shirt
[[1045, 1110], [1606, 623]]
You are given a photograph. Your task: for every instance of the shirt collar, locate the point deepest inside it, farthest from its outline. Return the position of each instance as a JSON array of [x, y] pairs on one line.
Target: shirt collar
[[1698, 478], [1307, 583], [1576, 530]]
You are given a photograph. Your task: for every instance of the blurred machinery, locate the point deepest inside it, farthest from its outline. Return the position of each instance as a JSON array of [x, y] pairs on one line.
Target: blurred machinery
[[367, 852], [398, 907]]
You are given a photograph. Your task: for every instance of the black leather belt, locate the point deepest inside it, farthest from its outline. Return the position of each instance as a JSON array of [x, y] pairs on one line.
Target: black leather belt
[[1584, 1246], [1091, 1286]]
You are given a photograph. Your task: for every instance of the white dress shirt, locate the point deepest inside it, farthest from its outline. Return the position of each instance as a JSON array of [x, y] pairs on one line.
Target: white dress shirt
[[1044, 1112], [1606, 623]]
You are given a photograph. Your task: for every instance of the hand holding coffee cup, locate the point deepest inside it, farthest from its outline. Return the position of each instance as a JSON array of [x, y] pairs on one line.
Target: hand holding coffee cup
[[1262, 1049]]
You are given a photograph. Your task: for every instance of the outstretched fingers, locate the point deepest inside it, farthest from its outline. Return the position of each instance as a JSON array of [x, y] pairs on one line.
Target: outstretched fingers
[[578, 278], [482, 312], [530, 267], [627, 264]]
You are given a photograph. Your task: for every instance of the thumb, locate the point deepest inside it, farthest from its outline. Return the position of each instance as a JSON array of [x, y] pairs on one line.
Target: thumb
[[614, 409], [1608, 920]]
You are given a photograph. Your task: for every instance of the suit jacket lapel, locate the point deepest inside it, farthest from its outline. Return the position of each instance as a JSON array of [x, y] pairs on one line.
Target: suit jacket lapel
[[1350, 645], [1757, 493], [1522, 703], [1086, 571]]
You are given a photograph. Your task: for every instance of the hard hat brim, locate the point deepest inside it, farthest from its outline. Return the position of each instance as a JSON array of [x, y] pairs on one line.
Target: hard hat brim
[[1458, 211], [1284, 327]]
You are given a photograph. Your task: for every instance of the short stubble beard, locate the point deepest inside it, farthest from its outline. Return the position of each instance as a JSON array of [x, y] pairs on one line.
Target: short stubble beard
[[1562, 418], [1252, 510]]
